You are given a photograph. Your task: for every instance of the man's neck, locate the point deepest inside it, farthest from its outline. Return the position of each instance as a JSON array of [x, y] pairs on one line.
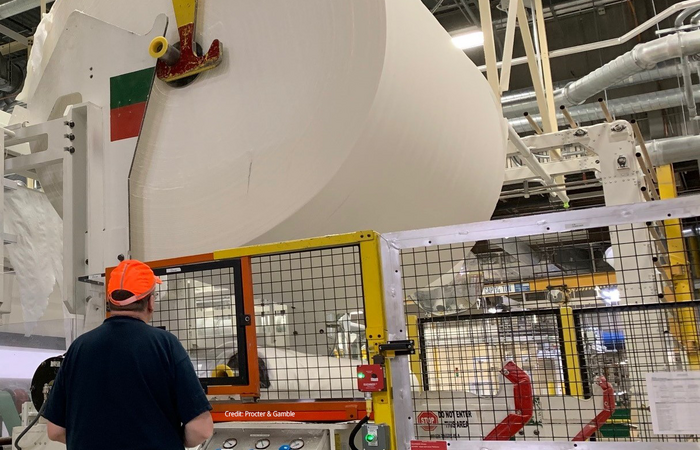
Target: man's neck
[[143, 316]]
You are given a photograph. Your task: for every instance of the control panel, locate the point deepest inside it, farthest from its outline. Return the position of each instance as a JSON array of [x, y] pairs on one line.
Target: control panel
[[375, 437], [279, 436]]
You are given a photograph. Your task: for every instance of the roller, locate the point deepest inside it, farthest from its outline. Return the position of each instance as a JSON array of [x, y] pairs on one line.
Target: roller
[[324, 116]]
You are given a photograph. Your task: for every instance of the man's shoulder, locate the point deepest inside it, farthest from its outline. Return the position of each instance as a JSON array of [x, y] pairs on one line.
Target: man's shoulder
[[147, 336], [136, 327], [162, 333], [87, 336]]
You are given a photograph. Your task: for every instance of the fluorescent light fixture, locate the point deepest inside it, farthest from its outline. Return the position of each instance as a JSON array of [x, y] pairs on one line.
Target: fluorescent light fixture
[[610, 296], [470, 39]]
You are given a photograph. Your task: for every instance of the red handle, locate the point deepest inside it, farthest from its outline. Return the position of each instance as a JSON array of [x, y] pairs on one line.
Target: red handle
[[524, 406], [603, 416]]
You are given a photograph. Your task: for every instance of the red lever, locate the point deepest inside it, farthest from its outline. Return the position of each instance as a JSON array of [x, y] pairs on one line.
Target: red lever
[[186, 62], [603, 416], [524, 406]]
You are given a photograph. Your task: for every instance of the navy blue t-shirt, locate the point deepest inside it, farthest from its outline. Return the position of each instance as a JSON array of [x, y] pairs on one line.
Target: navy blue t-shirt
[[125, 385]]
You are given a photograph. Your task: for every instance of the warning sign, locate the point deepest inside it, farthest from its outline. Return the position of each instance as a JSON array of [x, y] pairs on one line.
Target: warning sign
[[428, 420], [428, 445]]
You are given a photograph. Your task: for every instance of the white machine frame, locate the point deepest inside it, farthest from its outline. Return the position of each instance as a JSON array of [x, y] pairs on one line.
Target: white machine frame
[[75, 142], [392, 244], [623, 180]]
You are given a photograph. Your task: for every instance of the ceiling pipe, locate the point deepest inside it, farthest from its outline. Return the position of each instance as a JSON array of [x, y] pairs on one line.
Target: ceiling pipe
[[591, 112], [674, 150], [560, 10], [692, 125], [519, 102], [684, 15], [642, 57], [663, 15]]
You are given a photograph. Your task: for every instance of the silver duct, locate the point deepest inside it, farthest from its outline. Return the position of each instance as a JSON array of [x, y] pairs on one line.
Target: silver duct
[[687, 80], [673, 150], [684, 15], [642, 57], [591, 112], [519, 102], [518, 96]]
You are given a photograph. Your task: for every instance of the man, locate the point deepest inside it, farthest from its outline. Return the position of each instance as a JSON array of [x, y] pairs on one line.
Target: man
[[128, 385]]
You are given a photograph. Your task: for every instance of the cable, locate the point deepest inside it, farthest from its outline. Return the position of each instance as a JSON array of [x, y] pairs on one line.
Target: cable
[[354, 432], [31, 424]]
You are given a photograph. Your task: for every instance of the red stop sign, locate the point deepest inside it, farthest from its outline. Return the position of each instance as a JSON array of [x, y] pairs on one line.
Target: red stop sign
[[428, 420]]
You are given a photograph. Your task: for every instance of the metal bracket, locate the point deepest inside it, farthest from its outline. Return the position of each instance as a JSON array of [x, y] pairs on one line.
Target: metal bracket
[[399, 348], [176, 64]]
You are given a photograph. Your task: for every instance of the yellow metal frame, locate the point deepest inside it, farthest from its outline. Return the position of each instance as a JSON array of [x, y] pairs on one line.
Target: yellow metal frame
[[336, 240], [375, 315], [683, 325], [375, 320], [415, 359], [588, 280], [573, 366]]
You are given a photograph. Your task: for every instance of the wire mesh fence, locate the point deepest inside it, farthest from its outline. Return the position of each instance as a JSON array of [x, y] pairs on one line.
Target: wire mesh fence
[[310, 322], [308, 313], [201, 304], [581, 317]]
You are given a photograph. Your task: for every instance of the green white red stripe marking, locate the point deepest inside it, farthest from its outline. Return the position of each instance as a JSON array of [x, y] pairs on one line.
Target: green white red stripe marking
[[128, 97]]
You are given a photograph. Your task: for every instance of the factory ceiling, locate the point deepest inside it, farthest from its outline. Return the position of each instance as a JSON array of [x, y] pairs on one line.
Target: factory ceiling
[[571, 23]]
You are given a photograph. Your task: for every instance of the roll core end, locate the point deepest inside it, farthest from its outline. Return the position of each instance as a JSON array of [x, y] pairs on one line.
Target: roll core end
[[158, 47]]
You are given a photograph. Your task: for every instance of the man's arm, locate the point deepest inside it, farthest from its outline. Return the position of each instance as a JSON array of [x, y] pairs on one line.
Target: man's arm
[[192, 404], [56, 433], [199, 429]]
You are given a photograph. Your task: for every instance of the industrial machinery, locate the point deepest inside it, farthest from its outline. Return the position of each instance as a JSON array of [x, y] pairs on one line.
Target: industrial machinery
[[263, 436], [568, 367], [445, 336], [31, 433], [568, 370], [294, 140]]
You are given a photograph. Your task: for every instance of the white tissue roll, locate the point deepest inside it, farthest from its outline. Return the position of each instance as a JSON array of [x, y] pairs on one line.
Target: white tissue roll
[[326, 116]]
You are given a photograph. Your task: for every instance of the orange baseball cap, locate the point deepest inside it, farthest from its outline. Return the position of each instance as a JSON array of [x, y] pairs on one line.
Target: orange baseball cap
[[133, 276]]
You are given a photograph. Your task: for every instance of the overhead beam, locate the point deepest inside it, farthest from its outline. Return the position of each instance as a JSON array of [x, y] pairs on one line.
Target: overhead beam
[[531, 161], [508, 45], [668, 12], [546, 68], [534, 69], [555, 169], [12, 47], [489, 47], [14, 7], [24, 40]]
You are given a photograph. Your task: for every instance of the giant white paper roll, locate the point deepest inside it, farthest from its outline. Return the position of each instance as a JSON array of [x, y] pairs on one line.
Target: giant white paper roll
[[326, 116]]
